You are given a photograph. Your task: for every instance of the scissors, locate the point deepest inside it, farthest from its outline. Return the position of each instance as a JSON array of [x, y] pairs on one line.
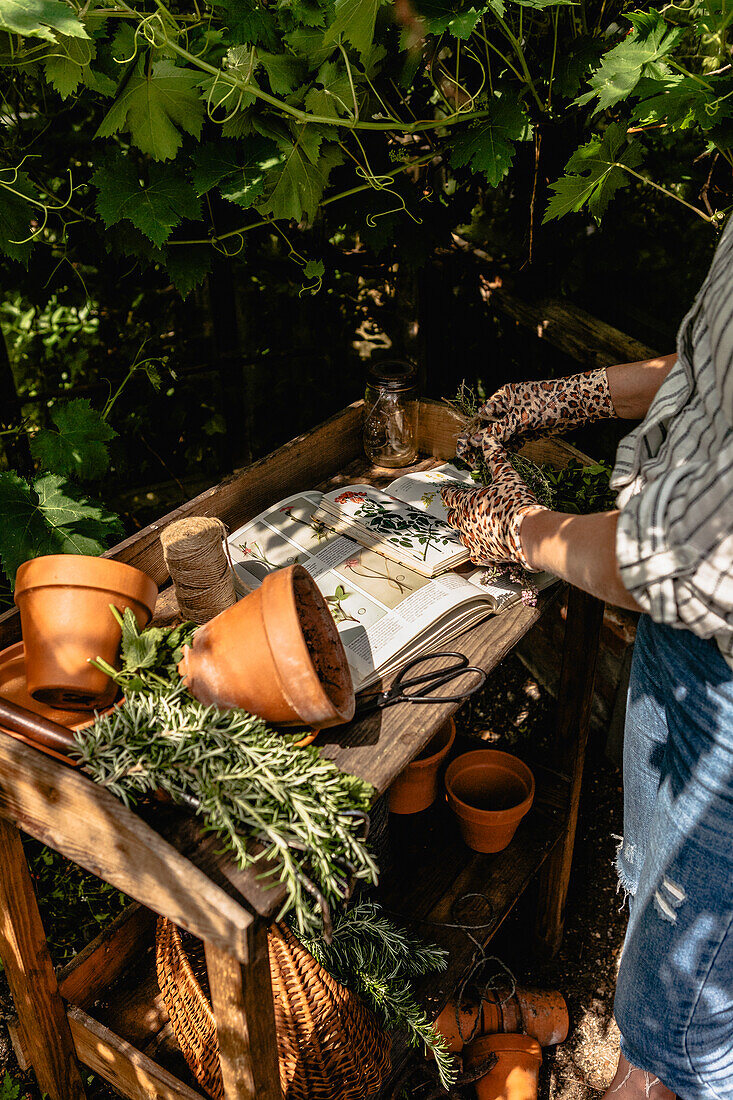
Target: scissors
[[421, 688]]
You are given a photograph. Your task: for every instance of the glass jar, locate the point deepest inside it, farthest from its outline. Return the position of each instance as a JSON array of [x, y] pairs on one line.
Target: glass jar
[[390, 417]]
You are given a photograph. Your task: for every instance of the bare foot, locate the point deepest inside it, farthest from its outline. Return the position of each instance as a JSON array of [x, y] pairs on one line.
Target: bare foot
[[631, 1083]]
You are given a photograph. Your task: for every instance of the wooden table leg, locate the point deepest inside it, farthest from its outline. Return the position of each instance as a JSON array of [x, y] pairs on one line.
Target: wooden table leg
[[245, 1020], [575, 695], [24, 951]]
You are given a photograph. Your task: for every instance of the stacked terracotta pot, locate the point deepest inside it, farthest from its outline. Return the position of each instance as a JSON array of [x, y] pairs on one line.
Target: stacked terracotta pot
[[504, 1034]]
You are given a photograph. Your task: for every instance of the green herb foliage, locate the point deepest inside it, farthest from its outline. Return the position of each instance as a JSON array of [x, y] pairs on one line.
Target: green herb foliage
[[214, 120], [246, 783], [149, 659], [377, 960]]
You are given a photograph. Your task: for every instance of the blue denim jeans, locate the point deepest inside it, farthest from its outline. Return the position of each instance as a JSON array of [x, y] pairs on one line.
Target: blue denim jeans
[[674, 996]]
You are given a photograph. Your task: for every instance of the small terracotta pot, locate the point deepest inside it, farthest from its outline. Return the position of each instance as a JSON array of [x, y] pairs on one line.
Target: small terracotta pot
[[276, 653], [458, 1026], [489, 792], [540, 1013], [515, 1074], [416, 788], [64, 602]]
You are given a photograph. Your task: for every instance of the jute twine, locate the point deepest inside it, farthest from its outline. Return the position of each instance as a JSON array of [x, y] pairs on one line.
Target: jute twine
[[199, 568]]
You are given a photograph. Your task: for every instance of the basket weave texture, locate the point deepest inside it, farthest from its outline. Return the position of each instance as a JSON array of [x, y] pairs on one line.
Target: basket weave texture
[[330, 1046]]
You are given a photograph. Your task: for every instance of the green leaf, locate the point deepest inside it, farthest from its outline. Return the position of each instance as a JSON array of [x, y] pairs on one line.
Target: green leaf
[[16, 214], [154, 106], [139, 650], [307, 42], [50, 516], [638, 55], [488, 147], [240, 170], [355, 21], [314, 269], [593, 174], [462, 26], [188, 265], [297, 186], [332, 96], [285, 72], [40, 19], [67, 64], [79, 446], [249, 23], [682, 102], [154, 208]]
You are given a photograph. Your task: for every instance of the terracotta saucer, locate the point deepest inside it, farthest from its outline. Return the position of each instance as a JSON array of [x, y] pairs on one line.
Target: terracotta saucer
[[13, 688]]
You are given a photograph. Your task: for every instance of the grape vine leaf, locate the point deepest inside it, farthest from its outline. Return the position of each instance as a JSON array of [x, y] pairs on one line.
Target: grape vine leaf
[[155, 207], [284, 71], [154, 106], [639, 54], [355, 21], [67, 64], [488, 147], [307, 13], [78, 447], [307, 42], [298, 185], [462, 26], [331, 97], [592, 175], [239, 169], [249, 23], [188, 265], [681, 102], [49, 516], [16, 212], [40, 19]]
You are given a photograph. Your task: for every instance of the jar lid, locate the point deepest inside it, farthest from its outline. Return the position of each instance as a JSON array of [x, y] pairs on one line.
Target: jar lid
[[392, 375]]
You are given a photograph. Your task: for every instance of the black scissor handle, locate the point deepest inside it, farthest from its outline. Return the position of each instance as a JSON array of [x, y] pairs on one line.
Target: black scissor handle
[[436, 675], [425, 694]]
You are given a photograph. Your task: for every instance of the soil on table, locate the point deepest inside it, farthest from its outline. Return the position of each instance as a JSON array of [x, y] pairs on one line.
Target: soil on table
[[584, 969]]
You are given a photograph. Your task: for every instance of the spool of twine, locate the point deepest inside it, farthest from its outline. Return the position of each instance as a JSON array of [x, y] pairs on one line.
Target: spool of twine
[[199, 568]]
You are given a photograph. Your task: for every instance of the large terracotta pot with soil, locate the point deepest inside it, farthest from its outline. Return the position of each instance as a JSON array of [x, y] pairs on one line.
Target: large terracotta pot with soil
[[276, 653], [515, 1073], [64, 602], [416, 788], [489, 792]]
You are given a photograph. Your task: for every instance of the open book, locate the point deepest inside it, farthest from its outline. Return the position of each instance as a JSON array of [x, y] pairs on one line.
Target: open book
[[386, 613]]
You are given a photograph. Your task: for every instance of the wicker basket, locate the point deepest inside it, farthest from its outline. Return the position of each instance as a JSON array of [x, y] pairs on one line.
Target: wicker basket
[[330, 1046]]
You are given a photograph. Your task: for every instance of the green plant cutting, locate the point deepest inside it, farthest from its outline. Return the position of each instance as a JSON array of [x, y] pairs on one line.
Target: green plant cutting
[[192, 126], [285, 809]]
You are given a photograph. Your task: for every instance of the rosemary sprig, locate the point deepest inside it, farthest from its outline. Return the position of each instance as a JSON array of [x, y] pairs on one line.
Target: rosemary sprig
[[246, 783], [377, 960]]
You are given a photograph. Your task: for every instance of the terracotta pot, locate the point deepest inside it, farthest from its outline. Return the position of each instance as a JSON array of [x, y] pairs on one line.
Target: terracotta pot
[[276, 653], [64, 602], [489, 792], [515, 1074], [416, 788], [540, 1013], [458, 1027]]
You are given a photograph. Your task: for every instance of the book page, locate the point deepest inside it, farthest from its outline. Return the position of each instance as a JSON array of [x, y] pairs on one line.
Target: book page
[[422, 489], [380, 607], [393, 527]]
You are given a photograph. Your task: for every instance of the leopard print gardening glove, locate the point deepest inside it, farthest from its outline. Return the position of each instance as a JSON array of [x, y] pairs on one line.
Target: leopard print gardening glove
[[488, 518], [526, 410]]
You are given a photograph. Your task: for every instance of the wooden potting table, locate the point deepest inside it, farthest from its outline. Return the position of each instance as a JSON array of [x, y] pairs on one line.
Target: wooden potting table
[[103, 1009]]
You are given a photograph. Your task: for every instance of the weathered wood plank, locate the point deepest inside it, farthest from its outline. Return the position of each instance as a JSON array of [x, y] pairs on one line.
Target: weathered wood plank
[[107, 956], [127, 1069], [585, 338], [245, 1021], [575, 694], [24, 951], [84, 822]]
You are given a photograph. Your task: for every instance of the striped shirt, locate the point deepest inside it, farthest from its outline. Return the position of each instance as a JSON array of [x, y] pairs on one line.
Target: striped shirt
[[674, 473]]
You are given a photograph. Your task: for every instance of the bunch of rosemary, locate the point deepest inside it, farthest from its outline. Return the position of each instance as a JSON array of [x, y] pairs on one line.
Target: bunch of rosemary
[[245, 782], [377, 960]]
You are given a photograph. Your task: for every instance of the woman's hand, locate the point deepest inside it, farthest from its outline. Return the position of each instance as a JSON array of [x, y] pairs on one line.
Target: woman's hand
[[526, 410], [488, 518]]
